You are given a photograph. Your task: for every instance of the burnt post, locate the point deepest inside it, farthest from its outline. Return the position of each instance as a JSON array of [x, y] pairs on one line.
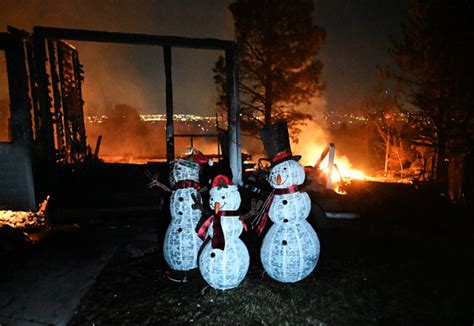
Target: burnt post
[[42, 78], [236, 87], [169, 105], [233, 115], [16, 175]]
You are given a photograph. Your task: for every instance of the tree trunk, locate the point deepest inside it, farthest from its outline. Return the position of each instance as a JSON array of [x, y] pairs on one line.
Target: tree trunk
[[441, 164], [400, 150], [268, 115], [387, 153]]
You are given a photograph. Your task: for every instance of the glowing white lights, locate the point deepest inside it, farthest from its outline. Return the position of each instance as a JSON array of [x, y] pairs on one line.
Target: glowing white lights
[[290, 249]]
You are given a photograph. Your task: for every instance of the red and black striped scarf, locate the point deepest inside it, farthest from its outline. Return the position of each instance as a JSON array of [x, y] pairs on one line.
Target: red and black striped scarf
[[186, 184], [218, 240], [262, 218]]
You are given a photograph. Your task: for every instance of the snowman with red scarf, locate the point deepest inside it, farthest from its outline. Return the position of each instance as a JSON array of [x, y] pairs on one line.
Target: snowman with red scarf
[[290, 249], [181, 244], [224, 261]]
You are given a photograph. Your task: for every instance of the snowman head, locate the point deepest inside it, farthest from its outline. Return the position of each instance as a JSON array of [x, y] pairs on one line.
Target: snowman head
[[224, 195], [286, 174], [188, 166], [184, 170]]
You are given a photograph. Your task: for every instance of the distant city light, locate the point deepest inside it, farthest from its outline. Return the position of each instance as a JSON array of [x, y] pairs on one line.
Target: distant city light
[[157, 118], [330, 118]]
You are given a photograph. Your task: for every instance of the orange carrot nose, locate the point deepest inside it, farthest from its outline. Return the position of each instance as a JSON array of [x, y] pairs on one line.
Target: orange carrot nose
[[216, 208], [278, 179]]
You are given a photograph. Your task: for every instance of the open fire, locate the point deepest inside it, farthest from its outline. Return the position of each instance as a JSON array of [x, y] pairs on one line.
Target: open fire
[[24, 219], [315, 148]]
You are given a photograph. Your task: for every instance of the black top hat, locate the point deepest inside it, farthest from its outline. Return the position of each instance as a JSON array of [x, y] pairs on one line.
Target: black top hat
[[277, 142]]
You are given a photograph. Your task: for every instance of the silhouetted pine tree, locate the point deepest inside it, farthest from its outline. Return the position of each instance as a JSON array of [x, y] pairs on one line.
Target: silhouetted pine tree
[[278, 68]]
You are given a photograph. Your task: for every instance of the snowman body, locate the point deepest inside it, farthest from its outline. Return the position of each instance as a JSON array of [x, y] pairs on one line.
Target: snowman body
[[290, 249], [181, 244], [225, 269]]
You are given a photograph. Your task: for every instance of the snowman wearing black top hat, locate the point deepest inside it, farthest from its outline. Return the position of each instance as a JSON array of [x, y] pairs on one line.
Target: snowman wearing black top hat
[[290, 249]]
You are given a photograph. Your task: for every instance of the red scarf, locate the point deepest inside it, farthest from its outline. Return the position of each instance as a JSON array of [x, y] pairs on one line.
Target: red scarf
[[218, 240], [187, 184], [261, 220]]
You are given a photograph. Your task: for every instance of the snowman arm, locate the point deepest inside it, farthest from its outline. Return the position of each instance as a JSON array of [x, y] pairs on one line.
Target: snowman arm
[[203, 189], [254, 209], [156, 183], [198, 204]]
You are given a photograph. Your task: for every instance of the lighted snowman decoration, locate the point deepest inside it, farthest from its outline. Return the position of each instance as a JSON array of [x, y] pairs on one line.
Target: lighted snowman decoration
[[224, 261], [290, 249], [181, 245]]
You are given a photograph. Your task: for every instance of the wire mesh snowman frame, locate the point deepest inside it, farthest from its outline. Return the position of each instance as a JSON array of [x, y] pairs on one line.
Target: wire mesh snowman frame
[[224, 263], [181, 244]]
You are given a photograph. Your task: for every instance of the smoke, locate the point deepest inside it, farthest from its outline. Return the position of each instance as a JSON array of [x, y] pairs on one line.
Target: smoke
[[132, 74], [315, 137], [110, 78], [311, 142]]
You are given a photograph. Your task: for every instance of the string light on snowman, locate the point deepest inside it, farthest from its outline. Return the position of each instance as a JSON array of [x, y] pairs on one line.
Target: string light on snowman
[[290, 249], [181, 244], [224, 261]]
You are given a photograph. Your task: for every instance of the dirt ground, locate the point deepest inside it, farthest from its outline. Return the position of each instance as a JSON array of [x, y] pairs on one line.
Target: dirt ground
[[409, 260]]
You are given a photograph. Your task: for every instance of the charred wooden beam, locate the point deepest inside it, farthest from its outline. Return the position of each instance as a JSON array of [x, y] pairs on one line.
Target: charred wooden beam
[[132, 38], [27, 40], [42, 79], [97, 146], [16, 175], [169, 105], [72, 102], [58, 105], [233, 116], [236, 86], [5, 40]]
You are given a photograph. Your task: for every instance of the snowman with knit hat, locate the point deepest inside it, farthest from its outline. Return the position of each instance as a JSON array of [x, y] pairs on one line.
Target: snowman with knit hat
[[181, 244], [290, 249], [224, 260]]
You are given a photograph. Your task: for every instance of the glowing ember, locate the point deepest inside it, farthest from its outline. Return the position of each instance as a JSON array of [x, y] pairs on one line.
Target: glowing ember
[[24, 220]]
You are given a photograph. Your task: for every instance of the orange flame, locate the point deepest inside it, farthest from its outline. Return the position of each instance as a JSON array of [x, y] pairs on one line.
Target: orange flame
[[312, 143]]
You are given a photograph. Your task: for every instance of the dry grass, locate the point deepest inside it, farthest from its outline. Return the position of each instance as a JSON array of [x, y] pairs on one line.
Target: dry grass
[[368, 273]]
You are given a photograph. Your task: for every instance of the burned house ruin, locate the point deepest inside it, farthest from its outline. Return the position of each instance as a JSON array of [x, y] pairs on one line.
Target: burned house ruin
[[43, 123]]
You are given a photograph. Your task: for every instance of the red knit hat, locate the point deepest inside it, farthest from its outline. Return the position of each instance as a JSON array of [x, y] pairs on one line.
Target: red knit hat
[[193, 155], [221, 181]]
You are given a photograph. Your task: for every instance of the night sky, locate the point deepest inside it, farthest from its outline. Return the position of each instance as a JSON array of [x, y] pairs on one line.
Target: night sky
[[357, 41]]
